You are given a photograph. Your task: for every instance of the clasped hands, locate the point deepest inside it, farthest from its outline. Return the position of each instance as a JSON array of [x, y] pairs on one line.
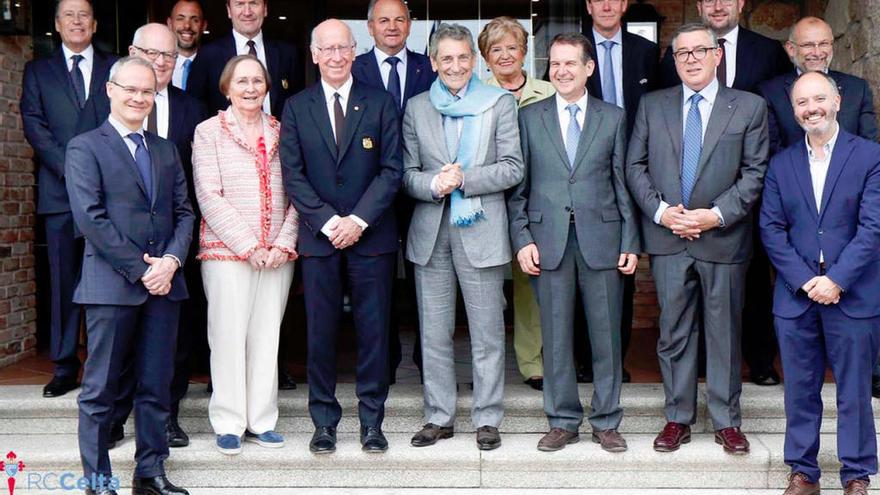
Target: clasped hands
[[268, 258], [345, 232], [449, 179], [823, 290], [530, 261], [157, 278], [689, 224]]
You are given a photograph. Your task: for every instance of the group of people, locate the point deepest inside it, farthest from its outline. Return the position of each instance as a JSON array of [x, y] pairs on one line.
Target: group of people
[[178, 153]]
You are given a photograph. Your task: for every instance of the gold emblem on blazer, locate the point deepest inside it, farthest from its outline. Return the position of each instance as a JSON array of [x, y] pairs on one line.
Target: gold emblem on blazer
[[284, 84], [367, 143]]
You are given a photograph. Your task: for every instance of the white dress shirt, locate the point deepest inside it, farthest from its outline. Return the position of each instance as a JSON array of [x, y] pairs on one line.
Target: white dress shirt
[[177, 75], [616, 62], [730, 41], [85, 65], [163, 113], [241, 48], [385, 69], [565, 116], [819, 170]]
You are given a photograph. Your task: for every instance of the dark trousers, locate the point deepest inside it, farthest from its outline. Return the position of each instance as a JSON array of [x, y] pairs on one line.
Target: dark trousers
[[758, 338], [143, 334], [404, 291], [65, 259], [369, 280], [824, 336]]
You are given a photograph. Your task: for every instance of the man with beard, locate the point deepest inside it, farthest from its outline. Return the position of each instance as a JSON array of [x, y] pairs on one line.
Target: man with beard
[[819, 222], [187, 21]]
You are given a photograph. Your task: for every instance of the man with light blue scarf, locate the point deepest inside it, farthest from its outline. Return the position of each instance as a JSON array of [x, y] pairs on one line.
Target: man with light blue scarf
[[461, 153]]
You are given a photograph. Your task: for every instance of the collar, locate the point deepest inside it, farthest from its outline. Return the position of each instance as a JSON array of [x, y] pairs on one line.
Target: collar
[[617, 38], [561, 103], [88, 54], [708, 93], [121, 128], [343, 90], [382, 56], [798, 70], [829, 146], [164, 92], [732, 37], [241, 40]]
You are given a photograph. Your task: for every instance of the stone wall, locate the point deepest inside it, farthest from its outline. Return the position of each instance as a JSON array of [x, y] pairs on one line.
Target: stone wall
[[857, 42], [18, 302]]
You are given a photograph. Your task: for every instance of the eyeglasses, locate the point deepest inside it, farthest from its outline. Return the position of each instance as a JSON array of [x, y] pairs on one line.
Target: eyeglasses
[[726, 3], [154, 54], [822, 45], [132, 91], [328, 51], [699, 53]]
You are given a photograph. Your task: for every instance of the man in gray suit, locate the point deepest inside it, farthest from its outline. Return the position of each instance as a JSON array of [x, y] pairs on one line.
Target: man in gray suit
[[461, 152], [566, 218], [695, 166]]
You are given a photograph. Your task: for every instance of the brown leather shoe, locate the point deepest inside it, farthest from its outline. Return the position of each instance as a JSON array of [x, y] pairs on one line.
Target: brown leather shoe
[[557, 439], [799, 484], [430, 433], [488, 438], [733, 441], [611, 440], [856, 487], [672, 436]]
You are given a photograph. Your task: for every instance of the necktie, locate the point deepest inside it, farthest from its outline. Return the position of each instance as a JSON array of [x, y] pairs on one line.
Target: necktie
[[185, 75], [79, 82], [573, 135], [450, 128], [691, 148], [339, 118], [394, 80], [722, 67], [152, 122], [609, 87], [252, 48], [144, 163]]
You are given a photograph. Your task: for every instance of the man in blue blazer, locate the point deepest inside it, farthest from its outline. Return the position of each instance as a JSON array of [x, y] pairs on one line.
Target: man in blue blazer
[[54, 90], [341, 158], [128, 197], [811, 47], [391, 66], [281, 60], [819, 223]]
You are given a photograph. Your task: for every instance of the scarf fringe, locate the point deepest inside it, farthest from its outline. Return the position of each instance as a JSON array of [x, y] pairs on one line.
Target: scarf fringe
[[468, 219]]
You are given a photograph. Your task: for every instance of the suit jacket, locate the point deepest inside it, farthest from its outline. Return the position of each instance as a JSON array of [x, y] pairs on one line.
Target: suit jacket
[[419, 74], [111, 208], [856, 114], [497, 168], [758, 58], [49, 114], [361, 179], [846, 230], [283, 63], [730, 172], [641, 59], [594, 187]]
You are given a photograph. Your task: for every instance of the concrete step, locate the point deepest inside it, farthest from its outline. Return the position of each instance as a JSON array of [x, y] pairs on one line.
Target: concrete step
[[454, 463], [24, 410], [461, 491]]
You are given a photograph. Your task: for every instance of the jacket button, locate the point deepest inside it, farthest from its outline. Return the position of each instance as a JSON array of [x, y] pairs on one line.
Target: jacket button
[[821, 231], [571, 181], [153, 213], [568, 208], [151, 242]]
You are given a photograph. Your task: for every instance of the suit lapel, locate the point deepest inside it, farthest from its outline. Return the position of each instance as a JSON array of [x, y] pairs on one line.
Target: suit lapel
[[551, 123], [99, 68], [155, 160], [175, 117], [672, 112], [319, 113], [437, 133], [592, 122], [630, 68], [842, 149], [787, 83], [744, 60], [372, 75], [273, 62], [800, 164], [413, 75], [722, 111], [116, 144], [59, 68], [353, 113]]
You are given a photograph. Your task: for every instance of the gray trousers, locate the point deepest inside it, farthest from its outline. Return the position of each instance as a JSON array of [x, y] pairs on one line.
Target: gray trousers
[[694, 294], [484, 302], [602, 292]]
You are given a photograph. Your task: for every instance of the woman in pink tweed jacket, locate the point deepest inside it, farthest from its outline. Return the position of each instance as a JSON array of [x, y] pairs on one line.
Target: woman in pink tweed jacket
[[247, 248]]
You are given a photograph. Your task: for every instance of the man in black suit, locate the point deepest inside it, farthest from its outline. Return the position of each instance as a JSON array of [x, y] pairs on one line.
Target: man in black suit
[[341, 157], [174, 117], [54, 91], [285, 68], [391, 66]]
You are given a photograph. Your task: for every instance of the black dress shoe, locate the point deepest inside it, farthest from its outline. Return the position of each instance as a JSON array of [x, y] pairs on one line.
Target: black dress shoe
[[766, 377], [535, 383], [175, 434], [117, 433], [59, 386], [323, 440], [100, 491], [875, 387], [626, 376], [158, 485], [285, 381], [584, 375], [372, 439]]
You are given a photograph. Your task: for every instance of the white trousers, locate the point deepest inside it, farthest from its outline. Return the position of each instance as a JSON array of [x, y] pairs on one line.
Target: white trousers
[[245, 307]]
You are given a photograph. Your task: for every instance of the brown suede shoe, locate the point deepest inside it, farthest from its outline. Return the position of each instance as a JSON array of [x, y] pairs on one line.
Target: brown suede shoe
[[557, 439], [430, 433], [611, 440], [733, 441], [856, 487], [672, 436], [799, 484], [488, 438]]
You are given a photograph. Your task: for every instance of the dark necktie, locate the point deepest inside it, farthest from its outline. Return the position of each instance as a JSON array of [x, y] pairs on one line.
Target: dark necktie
[[339, 118], [185, 75], [144, 163], [252, 48], [722, 67], [78, 81], [394, 80], [152, 120], [691, 149]]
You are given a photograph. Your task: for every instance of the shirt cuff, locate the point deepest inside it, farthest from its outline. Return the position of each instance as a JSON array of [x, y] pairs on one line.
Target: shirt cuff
[[330, 223], [660, 211], [175, 258], [717, 211], [362, 224], [434, 188]]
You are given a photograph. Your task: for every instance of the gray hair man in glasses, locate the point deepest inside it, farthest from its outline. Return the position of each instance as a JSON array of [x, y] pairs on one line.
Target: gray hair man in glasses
[[695, 167]]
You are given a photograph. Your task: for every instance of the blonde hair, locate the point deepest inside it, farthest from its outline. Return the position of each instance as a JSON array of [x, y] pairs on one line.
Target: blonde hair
[[497, 29]]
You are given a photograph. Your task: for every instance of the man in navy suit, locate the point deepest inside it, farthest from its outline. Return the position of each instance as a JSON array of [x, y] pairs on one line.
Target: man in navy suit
[[285, 68], [54, 91], [128, 197], [174, 117], [391, 66], [341, 157], [819, 222]]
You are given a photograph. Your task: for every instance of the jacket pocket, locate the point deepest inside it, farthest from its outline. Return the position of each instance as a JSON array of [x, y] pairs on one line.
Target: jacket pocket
[[610, 215]]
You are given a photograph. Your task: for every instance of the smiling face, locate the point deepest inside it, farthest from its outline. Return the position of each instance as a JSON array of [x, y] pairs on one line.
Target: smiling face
[[454, 63], [505, 58], [815, 103], [75, 24], [811, 46], [128, 93], [333, 51], [247, 16], [696, 74], [187, 22], [389, 26], [606, 15], [720, 15], [158, 38], [568, 72], [247, 87]]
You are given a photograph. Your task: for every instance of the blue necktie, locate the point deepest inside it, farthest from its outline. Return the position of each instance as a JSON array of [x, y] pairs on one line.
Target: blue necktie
[[609, 88], [450, 128], [144, 163], [185, 75], [691, 148], [573, 135], [394, 80], [79, 82]]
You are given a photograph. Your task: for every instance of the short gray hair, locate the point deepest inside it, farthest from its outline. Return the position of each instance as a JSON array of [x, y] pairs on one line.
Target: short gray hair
[[372, 6], [314, 44], [455, 32], [126, 61], [693, 27], [830, 80]]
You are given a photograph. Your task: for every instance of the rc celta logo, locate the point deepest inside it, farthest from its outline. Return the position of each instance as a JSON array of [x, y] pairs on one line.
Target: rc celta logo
[[11, 467]]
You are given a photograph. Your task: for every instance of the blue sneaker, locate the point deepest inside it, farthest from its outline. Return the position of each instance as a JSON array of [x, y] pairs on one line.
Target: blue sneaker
[[268, 439], [229, 444]]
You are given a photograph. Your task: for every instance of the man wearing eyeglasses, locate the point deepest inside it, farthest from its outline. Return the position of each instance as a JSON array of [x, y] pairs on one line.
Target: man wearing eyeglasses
[[695, 166], [54, 91], [174, 116]]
